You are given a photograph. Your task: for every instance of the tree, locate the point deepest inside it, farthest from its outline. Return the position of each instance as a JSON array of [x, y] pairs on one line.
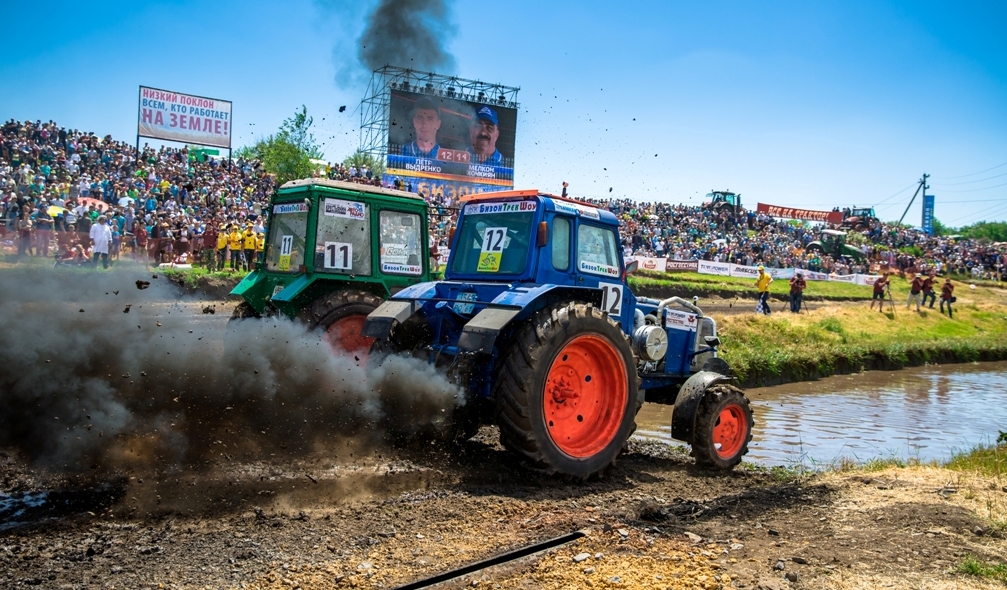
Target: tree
[[942, 230], [995, 231], [361, 158], [287, 153]]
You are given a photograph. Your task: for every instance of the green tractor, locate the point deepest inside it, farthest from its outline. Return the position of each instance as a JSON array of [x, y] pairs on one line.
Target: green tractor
[[834, 244], [334, 251], [721, 200]]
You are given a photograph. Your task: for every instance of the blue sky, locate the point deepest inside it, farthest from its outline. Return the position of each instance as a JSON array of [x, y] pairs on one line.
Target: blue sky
[[813, 104]]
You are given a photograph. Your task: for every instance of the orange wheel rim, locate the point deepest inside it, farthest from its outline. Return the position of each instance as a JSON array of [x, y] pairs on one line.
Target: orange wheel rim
[[730, 432], [585, 396], [346, 335]]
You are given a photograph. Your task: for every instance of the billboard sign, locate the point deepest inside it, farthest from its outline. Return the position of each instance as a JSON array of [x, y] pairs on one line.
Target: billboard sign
[[835, 217], [440, 145], [173, 116], [928, 214]]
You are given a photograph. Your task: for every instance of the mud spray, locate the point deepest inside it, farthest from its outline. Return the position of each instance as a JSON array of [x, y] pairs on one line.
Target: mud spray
[[97, 373]]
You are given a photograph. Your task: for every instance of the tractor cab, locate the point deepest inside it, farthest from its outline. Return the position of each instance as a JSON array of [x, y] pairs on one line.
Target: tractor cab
[[333, 251], [862, 212]]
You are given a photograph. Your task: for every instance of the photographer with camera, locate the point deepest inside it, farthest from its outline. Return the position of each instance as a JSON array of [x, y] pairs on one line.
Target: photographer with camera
[[914, 292], [880, 291], [797, 286]]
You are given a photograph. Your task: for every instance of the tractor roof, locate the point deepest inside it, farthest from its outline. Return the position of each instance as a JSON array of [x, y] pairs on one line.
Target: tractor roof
[[833, 232], [556, 202], [350, 186], [531, 192]]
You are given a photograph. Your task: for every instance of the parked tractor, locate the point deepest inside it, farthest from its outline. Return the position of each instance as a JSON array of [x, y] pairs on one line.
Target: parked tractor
[[721, 200], [536, 323], [334, 251], [859, 219], [834, 244]]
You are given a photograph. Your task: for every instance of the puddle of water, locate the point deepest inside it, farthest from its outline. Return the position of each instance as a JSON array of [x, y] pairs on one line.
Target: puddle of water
[[923, 413]]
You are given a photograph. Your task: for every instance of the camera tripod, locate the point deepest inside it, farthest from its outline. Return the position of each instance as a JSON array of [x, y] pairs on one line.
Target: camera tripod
[[891, 300]]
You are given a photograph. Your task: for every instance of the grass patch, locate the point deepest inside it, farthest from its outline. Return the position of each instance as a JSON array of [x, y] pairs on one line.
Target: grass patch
[[781, 348], [986, 459], [973, 566], [192, 277], [690, 283]]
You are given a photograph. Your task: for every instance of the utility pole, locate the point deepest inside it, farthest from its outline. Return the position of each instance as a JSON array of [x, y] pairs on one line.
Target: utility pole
[[924, 186]]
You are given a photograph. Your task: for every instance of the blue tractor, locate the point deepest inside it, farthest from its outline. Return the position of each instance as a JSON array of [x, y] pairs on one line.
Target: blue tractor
[[536, 323]]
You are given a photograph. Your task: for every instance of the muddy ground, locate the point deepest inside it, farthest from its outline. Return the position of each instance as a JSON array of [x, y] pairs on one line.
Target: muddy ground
[[386, 518]]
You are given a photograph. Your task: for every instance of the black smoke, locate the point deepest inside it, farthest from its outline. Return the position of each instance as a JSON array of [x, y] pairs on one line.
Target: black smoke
[[85, 385]]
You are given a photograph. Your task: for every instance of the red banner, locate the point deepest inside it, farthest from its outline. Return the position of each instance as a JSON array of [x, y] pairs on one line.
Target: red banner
[[835, 217]]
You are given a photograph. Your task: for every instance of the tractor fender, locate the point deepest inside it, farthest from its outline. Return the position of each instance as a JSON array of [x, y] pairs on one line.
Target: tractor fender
[[683, 416], [481, 332], [396, 310]]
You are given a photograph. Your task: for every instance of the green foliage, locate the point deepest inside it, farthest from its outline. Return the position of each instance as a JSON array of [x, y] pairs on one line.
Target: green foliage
[[361, 158], [995, 231], [942, 230], [973, 566], [832, 325], [1002, 439], [287, 153], [914, 251]]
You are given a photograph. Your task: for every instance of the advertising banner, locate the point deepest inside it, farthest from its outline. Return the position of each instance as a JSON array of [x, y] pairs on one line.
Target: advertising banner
[[450, 142], [656, 264], [844, 279], [803, 214], [715, 268], [173, 116], [681, 265], [815, 276], [752, 272], [867, 280], [928, 215]]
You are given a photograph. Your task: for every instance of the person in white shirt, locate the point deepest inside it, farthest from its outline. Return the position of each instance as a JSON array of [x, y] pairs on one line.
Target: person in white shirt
[[101, 237]]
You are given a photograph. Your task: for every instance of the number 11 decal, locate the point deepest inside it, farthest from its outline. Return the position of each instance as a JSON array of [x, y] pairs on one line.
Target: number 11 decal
[[338, 255]]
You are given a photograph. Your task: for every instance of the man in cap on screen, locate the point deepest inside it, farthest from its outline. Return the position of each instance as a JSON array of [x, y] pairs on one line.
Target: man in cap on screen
[[484, 132], [426, 123]]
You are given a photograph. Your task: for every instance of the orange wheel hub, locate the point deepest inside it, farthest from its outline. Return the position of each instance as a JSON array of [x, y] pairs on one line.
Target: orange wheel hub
[[585, 396], [345, 335], [731, 431]]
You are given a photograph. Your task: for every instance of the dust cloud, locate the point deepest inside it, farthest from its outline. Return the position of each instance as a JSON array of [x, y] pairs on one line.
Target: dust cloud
[[98, 374]]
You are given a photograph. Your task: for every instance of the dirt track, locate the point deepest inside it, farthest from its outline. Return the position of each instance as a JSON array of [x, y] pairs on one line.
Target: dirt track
[[376, 521]]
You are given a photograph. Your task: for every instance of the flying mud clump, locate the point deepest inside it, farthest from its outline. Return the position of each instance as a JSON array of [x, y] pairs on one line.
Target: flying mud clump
[[84, 385]]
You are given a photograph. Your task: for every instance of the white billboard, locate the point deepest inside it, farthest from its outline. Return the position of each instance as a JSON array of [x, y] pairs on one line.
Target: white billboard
[[173, 116]]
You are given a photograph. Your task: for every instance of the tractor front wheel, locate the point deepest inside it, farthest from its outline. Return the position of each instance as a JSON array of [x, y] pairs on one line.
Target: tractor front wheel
[[567, 392], [723, 430], [340, 316]]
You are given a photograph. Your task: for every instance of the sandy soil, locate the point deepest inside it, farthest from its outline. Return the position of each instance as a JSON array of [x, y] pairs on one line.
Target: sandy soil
[[381, 519]]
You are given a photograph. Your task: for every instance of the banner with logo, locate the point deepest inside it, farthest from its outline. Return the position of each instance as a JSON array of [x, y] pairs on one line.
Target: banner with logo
[[655, 264], [752, 272], [714, 268], [173, 116], [835, 217], [681, 265]]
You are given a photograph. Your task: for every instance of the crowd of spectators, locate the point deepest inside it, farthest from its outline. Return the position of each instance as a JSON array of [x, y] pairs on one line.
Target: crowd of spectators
[[177, 205], [162, 205]]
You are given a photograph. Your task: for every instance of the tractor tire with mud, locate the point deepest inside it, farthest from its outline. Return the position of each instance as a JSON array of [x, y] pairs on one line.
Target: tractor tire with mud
[[243, 310], [567, 392], [340, 316], [723, 430]]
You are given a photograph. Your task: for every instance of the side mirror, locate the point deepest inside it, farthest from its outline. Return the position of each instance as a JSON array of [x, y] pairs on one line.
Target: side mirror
[[543, 234], [307, 202], [632, 267], [712, 341]]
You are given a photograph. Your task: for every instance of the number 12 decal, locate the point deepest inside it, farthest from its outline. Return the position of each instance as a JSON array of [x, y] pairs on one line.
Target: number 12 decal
[[338, 255], [611, 298]]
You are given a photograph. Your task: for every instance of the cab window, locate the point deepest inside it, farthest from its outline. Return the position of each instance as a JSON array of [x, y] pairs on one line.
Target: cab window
[[401, 245], [560, 243], [597, 251], [343, 237]]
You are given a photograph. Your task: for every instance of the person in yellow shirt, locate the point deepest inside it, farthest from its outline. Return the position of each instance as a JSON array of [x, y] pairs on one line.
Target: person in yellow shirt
[[234, 244], [248, 239], [762, 284], [222, 247], [260, 244]]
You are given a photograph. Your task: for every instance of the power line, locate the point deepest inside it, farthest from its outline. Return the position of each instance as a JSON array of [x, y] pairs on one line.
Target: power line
[[975, 190], [976, 215], [975, 173], [898, 193], [973, 181]]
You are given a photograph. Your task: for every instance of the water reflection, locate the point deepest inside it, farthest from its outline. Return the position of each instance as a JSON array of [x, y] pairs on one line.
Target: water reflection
[[920, 413]]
